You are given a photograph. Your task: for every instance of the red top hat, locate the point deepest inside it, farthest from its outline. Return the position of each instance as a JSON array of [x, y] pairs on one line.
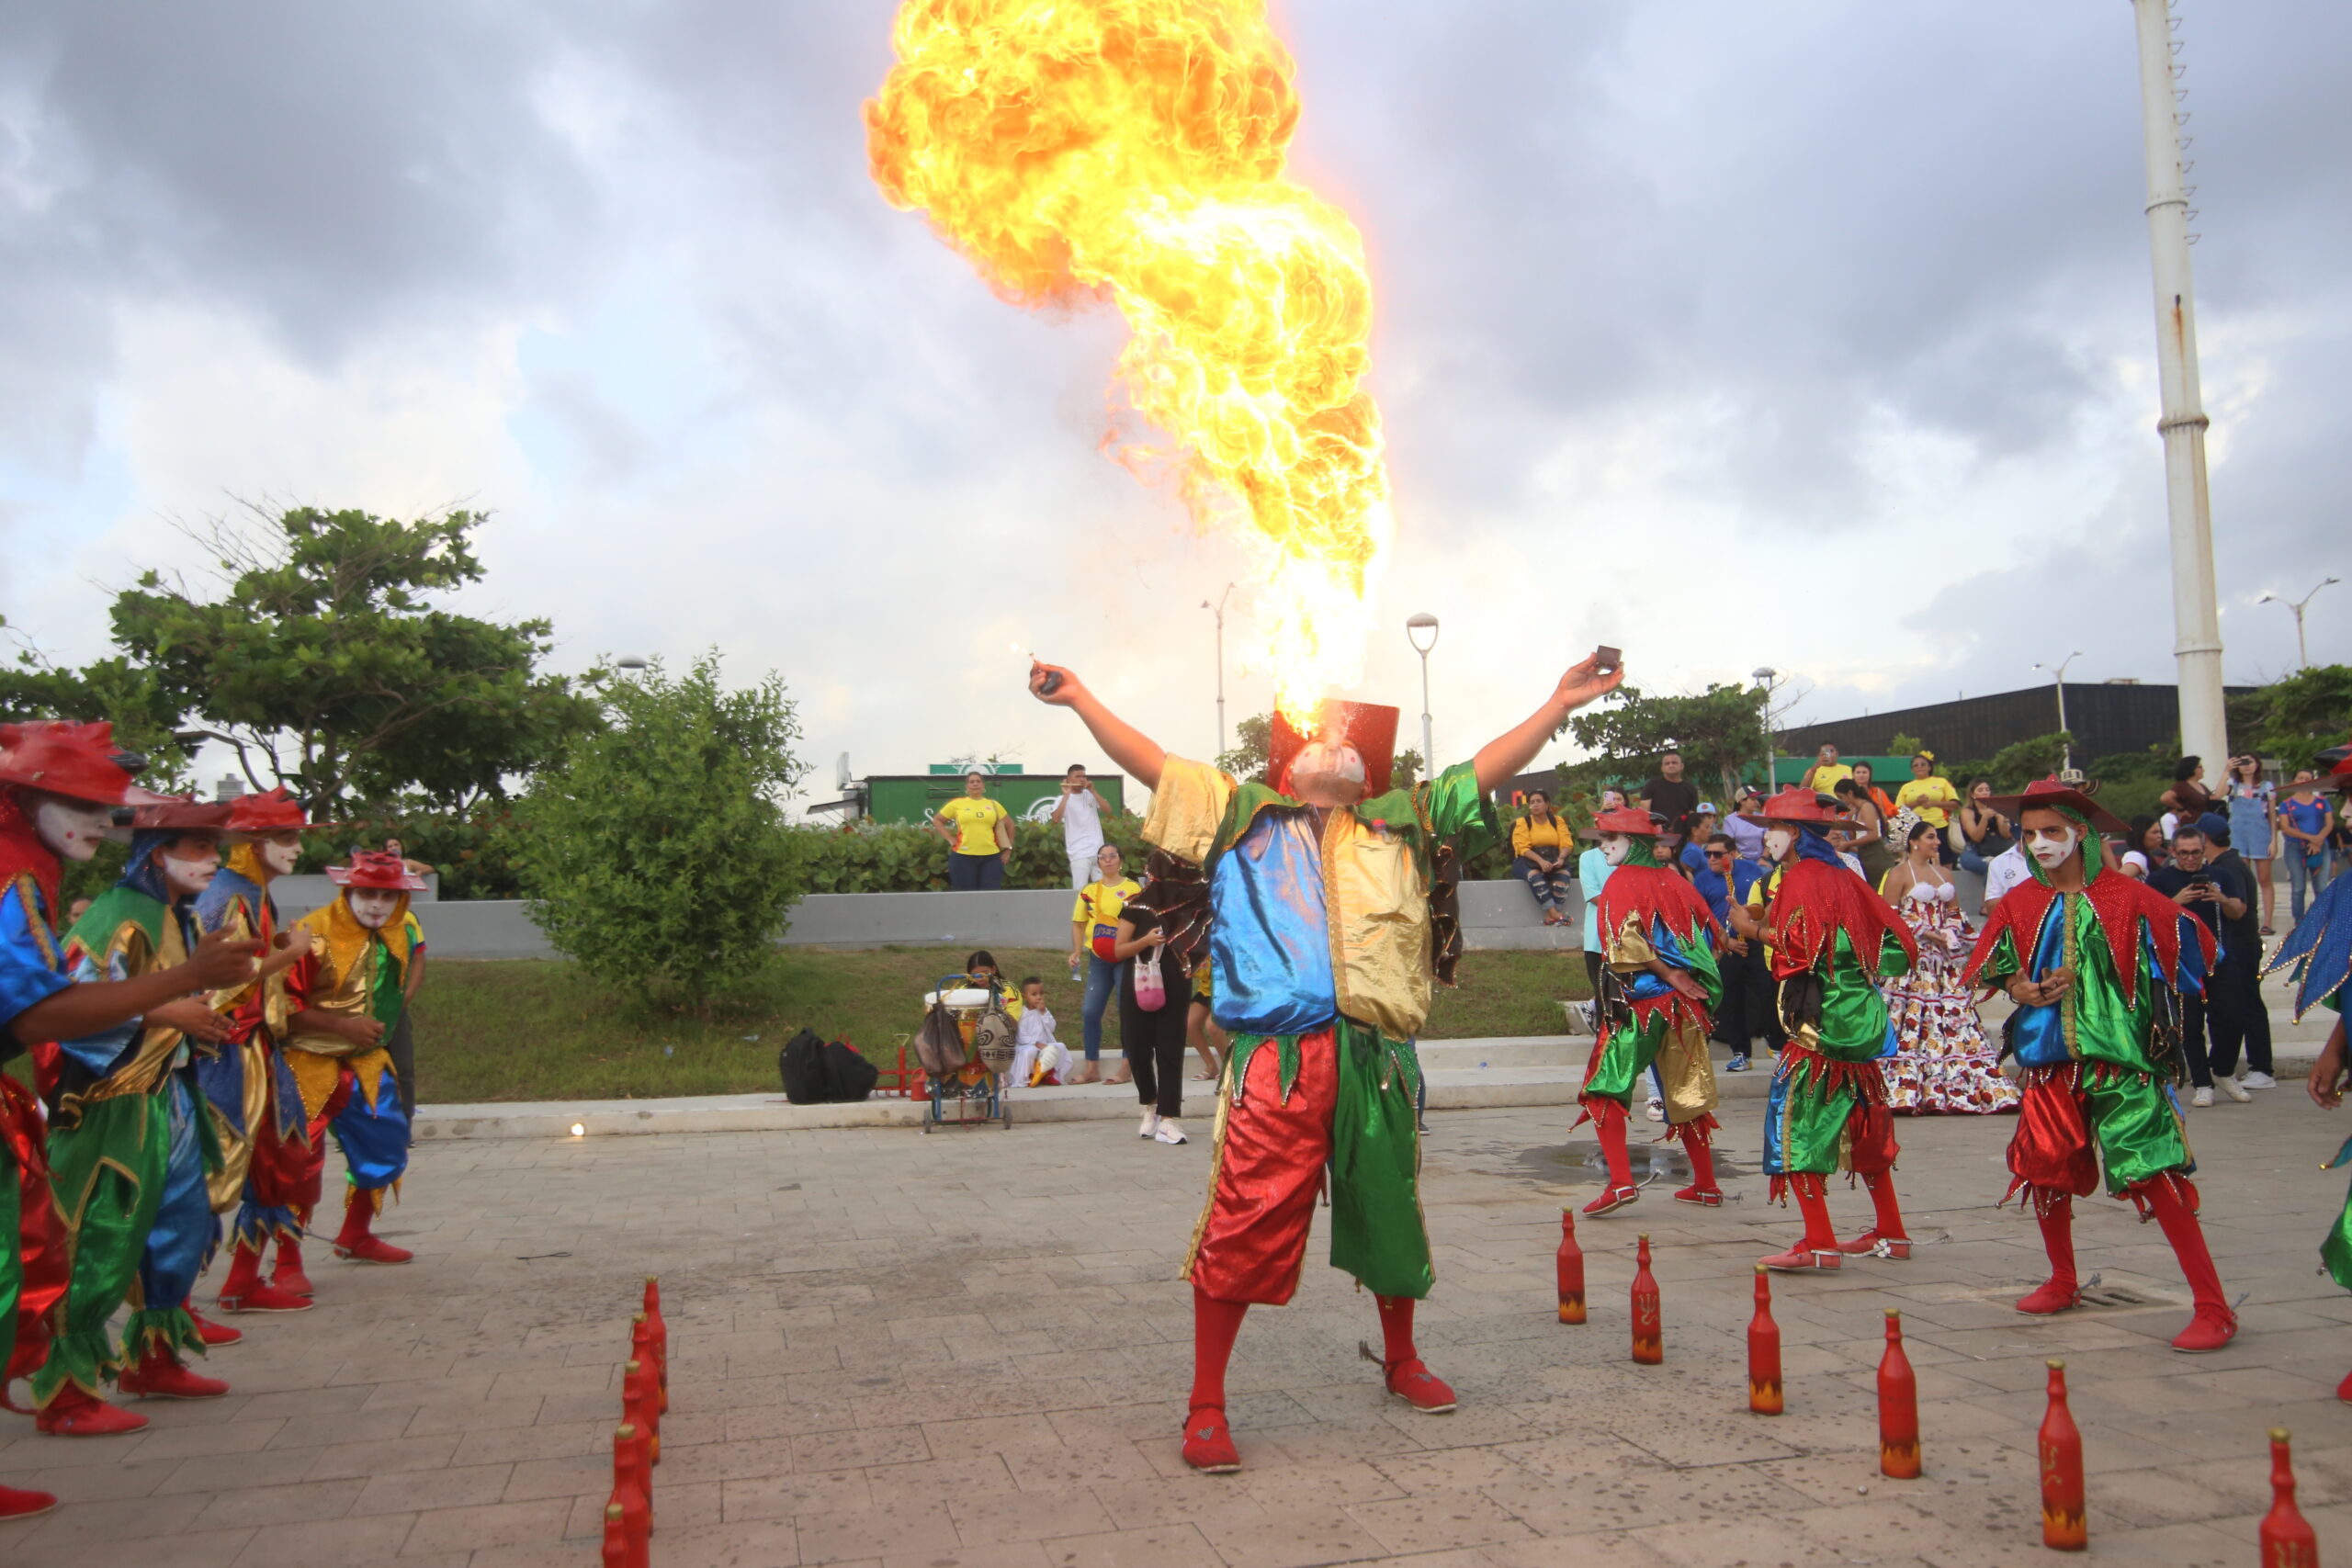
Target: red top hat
[[79, 761], [1367, 726], [187, 816], [2053, 792], [371, 868], [270, 811], [1797, 806], [1626, 820]]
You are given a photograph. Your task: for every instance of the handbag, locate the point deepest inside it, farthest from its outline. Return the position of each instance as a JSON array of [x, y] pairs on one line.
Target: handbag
[[1151, 991]]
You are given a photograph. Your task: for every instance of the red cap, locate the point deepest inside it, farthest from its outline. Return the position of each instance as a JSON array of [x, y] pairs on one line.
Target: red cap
[[1367, 726], [1795, 805], [187, 816], [372, 868], [79, 761]]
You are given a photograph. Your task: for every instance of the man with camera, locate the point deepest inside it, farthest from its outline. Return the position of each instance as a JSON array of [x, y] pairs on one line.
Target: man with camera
[[2216, 887]]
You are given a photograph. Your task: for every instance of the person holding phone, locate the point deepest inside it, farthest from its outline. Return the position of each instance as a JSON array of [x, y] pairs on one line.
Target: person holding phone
[[1078, 811], [2218, 890]]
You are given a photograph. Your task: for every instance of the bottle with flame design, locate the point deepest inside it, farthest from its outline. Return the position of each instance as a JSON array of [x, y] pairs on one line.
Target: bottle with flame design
[[1763, 1351], [1898, 1407], [2065, 1525], [2288, 1539], [1649, 1322], [1571, 1269]]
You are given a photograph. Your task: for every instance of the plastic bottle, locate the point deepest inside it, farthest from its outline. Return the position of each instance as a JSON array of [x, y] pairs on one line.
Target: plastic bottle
[[633, 1489], [2287, 1540], [642, 1406], [2065, 1525], [1571, 1269], [661, 1328], [640, 1345], [1649, 1322], [1763, 1351], [1898, 1407]]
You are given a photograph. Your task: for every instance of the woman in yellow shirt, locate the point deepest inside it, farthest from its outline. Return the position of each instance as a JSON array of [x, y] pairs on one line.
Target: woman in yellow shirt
[[979, 837], [1930, 797], [1093, 926], [1541, 844]]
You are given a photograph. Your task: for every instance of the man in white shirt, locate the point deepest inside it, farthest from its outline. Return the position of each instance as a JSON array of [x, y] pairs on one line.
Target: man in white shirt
[[1079, 812], [2003, 871]]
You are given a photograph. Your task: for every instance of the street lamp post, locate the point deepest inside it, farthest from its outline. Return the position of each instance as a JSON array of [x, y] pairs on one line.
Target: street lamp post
[[1219, 608], [2303, 656], [1765, 676], [1420, 631], [2058, 679]]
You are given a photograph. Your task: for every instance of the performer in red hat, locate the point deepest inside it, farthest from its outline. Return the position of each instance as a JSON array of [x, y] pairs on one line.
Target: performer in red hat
[[2317, 956], [1332, 903], [1827, 937], [1659, 987], [60, 785], [2095, 962], [266, 1172], [345, 991]]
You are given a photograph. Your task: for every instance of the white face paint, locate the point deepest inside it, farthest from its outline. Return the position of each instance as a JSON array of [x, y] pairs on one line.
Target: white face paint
[[1614, 847], [193, 874], [71, 829], [1328, 774], [372, 907], [2051, 846], [1779, 841], [281, 856]]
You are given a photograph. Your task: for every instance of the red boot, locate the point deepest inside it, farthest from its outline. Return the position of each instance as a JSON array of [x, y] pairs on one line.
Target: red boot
[[1400, 1363], [1819, 1248], [2060, 1292], [1609, 1120], [1697, 1143], [244, 1291], [288, 1275], [159, 1375], [355, 1243], [1886, 1238], [15, 1504], [2173, 1200], [72, 1414], [1208, 1443], [213, 1333]]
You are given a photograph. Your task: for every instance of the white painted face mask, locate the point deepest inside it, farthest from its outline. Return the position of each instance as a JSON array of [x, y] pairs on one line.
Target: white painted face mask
[[1614, 847], [281, 858], [71, 829], [1327, 775], [2050, 847], [193, 875], [1779, 841], [372, 907]]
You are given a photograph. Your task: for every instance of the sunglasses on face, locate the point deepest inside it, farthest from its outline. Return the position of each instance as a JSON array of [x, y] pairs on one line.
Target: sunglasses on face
[[1719, 854]]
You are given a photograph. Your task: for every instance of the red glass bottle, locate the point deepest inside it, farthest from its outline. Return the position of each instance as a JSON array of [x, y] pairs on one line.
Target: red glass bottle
[[1898, 1407], [632, 1491], [661, 1327], [640, 1345], [2288, 1539], [642, 1406], [616, 1543], [1571, 1269], [1649, 1322], [2065, 1525], [1763, 1351]]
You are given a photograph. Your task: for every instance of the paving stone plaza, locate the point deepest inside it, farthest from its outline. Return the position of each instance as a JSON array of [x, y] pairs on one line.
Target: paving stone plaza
[[971, 1351]]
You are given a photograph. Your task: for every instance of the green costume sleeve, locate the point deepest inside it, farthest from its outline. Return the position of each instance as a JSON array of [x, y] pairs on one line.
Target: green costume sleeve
[[2002, 961], [1456, 807], [1700, 951]]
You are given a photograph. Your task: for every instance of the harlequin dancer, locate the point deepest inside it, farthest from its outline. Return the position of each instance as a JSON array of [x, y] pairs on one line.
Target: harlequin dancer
[[2095, 962], [1829, 938], [265, 1137], [2318, 954], [59, 786], [1659, 986], [1331, 900], [345, 991], [130, 1138]]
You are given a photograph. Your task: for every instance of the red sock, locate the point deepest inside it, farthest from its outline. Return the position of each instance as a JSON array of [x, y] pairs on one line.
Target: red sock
[[1215, 1325], [245, 1272], [1396, 1330], [1813, 1203], [2057, 1218], [1888, 1222], [1609, 1121], [1696, 1144], [2164, 1199]]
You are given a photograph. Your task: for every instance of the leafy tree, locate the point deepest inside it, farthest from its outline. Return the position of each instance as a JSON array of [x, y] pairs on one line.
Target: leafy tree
[[1903, 744], [328, 666], [2293, 720], [659, 857], [1720, 733]]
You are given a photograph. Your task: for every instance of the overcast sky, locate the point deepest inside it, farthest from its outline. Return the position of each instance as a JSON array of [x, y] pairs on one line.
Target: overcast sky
[[1816, 336]]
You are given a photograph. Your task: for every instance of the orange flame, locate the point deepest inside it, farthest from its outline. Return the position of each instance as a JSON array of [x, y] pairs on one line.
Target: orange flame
[[1133, 151]]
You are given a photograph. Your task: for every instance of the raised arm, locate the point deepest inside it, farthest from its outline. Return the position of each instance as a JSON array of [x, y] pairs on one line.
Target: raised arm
[[1136, 753], [1507, 755]]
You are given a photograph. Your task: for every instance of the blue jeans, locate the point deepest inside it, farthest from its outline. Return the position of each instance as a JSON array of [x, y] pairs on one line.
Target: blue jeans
[[2301, 878], [1101, 982], [974, 873], [1549, 886]]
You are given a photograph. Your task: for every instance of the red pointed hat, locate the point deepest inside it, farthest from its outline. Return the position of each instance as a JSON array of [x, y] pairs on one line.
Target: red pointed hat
[[1795, 805], [2058, 793], [371, 868], [1367, 726], [187, 816], [1626, 819], [79, 761], [271, 811]]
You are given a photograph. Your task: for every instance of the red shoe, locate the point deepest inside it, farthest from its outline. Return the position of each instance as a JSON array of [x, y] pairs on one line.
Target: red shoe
[[263, 1297], [1801, 1256], [74, 1414], [1705, 1197], [367, 1249], [1892, 1246], [15, 1504], [159, 1375], [2052, 1297], [2343, 1389], [1208, 1446], [288, 1275], [1418, 1387], [213, 1333], [1612, 1199], [2212, 1328]]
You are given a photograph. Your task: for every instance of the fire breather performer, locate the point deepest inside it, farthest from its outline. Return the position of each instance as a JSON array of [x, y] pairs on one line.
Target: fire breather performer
[[345, 991], [2318, 955], [60, 785], [1659, 987], [131, 1139], [2095, 962], [1333, 908], [1828, 938], [265, 1137]]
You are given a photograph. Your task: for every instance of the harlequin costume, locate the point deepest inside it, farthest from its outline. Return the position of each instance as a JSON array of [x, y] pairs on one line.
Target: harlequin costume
[[1329, 927], [1829, 938], [131, 1144], [265, 1173], [355, 971], [1649, 916], [2099, 1062]]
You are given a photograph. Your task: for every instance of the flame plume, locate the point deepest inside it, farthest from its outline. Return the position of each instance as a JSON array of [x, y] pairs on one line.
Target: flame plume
[[1132, 150]]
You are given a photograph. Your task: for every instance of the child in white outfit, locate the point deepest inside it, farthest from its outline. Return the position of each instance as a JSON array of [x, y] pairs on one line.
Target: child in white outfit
[[1038, 1059]]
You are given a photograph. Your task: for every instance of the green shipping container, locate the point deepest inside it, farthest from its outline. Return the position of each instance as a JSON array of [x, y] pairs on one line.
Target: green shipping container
[[913, 797]]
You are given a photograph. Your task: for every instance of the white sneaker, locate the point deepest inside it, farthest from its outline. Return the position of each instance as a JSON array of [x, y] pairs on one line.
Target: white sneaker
[[1151, 1123], [2230, 1086], [1657, 1109], [2202, 1099], [1168, 1133], [2257, 1080]]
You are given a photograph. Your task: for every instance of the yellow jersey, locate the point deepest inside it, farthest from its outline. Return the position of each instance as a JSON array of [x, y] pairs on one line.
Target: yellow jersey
[[1929, 799], [975, 822]]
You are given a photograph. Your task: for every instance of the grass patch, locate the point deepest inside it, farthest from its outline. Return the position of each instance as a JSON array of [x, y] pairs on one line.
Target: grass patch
[[532, 1029]]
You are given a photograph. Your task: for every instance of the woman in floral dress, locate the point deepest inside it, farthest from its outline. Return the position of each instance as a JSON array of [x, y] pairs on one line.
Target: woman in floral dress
[[1942, 1060]]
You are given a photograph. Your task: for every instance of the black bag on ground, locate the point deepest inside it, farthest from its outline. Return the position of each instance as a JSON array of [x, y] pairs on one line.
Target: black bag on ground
[[801, 1064], [848, 1075]]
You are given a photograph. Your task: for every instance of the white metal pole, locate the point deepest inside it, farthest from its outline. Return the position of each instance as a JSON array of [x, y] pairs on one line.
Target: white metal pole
[[2197, 625], [1429, 748]]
